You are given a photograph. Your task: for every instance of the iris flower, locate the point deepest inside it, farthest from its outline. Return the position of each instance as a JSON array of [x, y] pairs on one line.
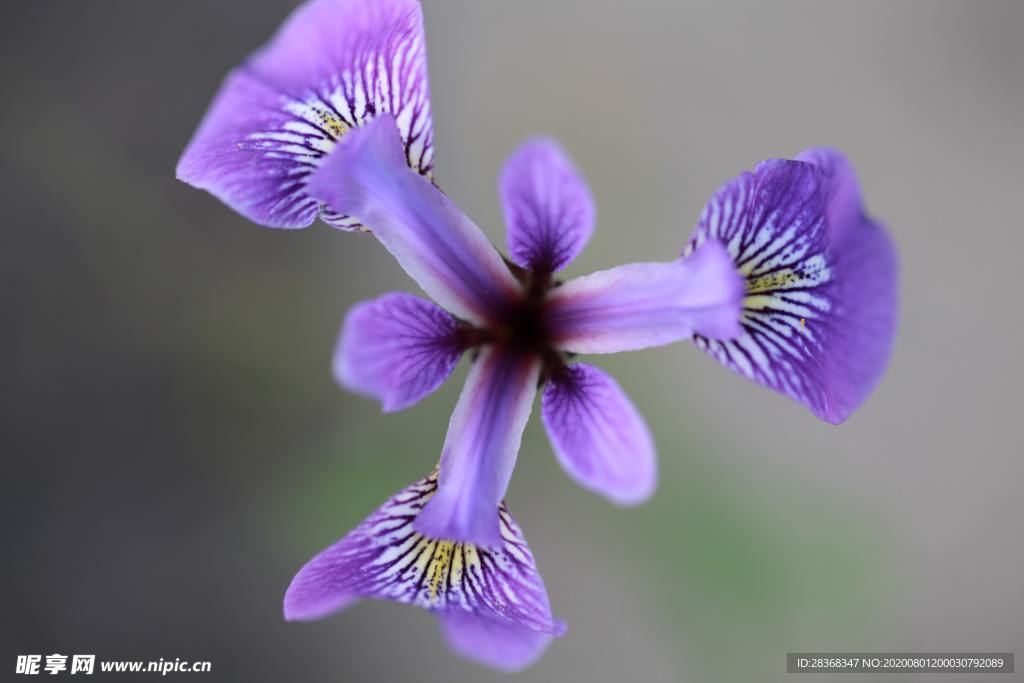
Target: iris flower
[[785, 281]]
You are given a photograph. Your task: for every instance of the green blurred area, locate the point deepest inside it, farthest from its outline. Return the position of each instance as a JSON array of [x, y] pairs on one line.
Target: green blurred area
[[721, 561]]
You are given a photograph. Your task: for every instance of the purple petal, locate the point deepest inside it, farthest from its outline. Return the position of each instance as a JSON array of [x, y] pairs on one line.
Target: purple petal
[[548, 208], [385, 558], [648, 304], [397, 348], [599, 436], [481, 447], [842, 193], [497, 643], [435, 243], [331, 67], [819, 314]]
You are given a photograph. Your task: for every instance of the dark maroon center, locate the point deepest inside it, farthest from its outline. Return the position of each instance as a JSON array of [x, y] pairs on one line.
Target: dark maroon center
[[523, 324]]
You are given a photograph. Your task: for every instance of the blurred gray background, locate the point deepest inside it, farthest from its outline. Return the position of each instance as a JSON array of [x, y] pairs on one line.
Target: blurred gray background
[[174, 447]]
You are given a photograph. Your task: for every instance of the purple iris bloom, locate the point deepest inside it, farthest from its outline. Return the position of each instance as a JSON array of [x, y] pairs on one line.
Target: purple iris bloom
[[523, 326], [785, 281]]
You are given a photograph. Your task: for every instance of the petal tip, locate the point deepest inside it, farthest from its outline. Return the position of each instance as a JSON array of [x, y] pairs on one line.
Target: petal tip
[[724, 288], [633, 497], [836, 419], [374, 145], [439, 519], [300, 604]]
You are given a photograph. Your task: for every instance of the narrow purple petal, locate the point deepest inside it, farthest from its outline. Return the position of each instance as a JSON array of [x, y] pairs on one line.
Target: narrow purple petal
[[599, 436], [648, 304], [435, 243], [819, 315], [332, 66], [548, 208], [385, 558], [498, 643], [481, 447], [397, 348]]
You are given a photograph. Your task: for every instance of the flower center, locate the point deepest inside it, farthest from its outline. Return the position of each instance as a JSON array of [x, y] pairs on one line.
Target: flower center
[[523, 324]]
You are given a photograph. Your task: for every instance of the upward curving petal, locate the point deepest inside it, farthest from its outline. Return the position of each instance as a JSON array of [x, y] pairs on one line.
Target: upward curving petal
[[819, 315], [331, 67], [481, 447], [548, 208], [492, 602], [598, 435], [425, 231], [839, 188], [397, 348], [647, 304]]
